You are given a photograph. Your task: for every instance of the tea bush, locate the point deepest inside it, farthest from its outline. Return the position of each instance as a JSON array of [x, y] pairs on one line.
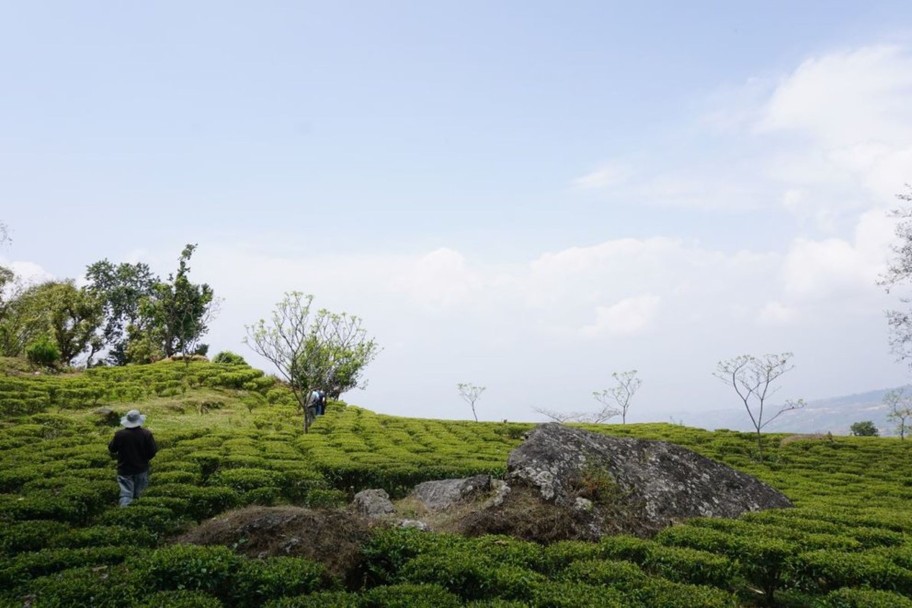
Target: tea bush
[[865, 598]]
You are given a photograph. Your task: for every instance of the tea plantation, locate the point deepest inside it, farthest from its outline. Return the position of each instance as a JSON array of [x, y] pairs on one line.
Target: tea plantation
[[230, 436]]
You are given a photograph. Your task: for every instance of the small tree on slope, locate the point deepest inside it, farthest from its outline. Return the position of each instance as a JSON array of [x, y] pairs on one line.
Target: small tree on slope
[[325, 351], [752, 378]]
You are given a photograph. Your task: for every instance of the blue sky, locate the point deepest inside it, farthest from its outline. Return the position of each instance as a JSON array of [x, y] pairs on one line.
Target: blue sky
[[527, 196]]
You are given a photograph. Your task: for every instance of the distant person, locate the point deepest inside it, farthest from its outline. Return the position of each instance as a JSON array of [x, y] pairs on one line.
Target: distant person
[[134, 447], [318, 402]]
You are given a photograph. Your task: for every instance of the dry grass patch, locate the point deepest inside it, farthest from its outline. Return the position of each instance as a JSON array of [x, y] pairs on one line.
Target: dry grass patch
[[331, 537]]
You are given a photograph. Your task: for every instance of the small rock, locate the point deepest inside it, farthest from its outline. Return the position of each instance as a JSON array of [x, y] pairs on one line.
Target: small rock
[[414, 523], [444, 493], [373, 503], [583, 504]]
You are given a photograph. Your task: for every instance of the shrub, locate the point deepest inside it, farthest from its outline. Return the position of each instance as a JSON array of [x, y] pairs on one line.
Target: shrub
[[101, 587], [319, 498], [763, 562], [559, 555], [618, 574], [155, 519], [226, 357], [409, 596], [43, 353], [325, 599], [207, 569], [576, 595], [180, 598], [628, 548], [829, 570], [16, 537], [471, 575], [27, 566], [244, 479], [865, 598], [660, 593], [258, 581], [104, 536], [864, 428], [201, 502], [685, 565]]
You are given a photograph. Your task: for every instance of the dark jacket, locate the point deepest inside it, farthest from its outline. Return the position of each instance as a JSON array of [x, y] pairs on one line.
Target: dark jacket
[[134, 449]]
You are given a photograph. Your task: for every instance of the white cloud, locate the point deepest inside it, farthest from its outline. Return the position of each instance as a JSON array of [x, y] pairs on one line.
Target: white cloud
[[438, 280], [27, 272], [777, 313], [855, 96], [627, 317], [608, 175], [849, 115]]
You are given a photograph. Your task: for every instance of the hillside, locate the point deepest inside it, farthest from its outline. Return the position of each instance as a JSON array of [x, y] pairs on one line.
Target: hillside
[[830, 415], [230, 437]]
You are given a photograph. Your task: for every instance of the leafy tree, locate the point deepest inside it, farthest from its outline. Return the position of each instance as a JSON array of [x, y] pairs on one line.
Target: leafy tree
[[312, 351], [752, 378], [74, 316], [470, 394], [21, 319], [336, 352], [9, 290], [176, 314], [864, 428], [616, 400], [900, 410], [59, 310], [121, 289]]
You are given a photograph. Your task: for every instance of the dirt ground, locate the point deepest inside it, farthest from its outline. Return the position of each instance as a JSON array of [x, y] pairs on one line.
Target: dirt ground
[[331, 537]]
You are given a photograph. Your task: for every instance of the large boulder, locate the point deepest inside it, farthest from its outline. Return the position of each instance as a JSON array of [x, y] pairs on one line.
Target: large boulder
[[634, 485]]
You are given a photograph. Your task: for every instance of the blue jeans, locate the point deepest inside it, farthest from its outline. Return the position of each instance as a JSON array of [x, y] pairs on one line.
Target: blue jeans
[[131, 486]]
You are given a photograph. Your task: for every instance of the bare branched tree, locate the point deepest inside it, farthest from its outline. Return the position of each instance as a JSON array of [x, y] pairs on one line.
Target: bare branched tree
[[616, 400], [564, 417], [900, 405], [470, 394], [900, 273], [752, 378]]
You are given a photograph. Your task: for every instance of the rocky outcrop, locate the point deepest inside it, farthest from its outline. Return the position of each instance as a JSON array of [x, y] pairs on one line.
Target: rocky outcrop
[[650, 484], [568, 483]]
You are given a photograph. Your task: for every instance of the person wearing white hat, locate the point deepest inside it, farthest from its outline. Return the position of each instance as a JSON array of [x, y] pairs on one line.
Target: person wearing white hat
[[134, 447]]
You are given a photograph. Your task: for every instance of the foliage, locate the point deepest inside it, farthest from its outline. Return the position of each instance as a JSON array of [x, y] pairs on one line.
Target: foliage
[[864, 428], [176, 313], [322, 351], [121, 290], [43, 353], [229, 358]]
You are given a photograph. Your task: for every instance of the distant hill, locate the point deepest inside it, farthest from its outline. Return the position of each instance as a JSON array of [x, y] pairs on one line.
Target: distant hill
[[831, 415]]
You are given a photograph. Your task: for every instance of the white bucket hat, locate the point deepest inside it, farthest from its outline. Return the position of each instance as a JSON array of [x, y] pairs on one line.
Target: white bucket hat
[[132, 420]]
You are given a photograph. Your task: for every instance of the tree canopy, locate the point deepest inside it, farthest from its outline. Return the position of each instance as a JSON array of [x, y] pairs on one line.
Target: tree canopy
[[318, 350]]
